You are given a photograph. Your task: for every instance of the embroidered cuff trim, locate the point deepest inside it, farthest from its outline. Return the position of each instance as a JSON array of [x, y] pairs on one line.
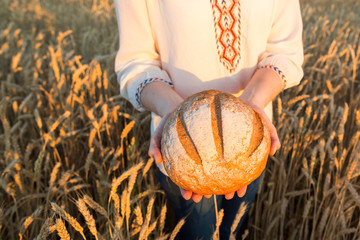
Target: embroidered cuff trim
[[147, 81], [278, 71]]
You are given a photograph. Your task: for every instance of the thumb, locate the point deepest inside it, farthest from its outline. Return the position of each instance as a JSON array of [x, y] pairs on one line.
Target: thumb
[[154, 150], [275, 142], [155, 142]]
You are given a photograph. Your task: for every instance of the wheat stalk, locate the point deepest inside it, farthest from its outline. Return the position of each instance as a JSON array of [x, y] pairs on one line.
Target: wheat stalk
[[177, 229], [354, 193], [216, 234], [148, 165], [162, 218], [17, 179], [323, 220], [88, 217], [123, 202], [45, 229], [163, 237], [72, 221], [88, 161], [151, 228], [238, 217], [138, 221], [61, 229], [118, 219], [94, 205], [145, 226], [53, 174], [39, 161], [6, 126], [116, 182], [131, 184], [15, 144], [30, 219]]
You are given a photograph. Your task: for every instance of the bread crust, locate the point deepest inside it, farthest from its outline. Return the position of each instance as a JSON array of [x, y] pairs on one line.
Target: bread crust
[[214, 143]]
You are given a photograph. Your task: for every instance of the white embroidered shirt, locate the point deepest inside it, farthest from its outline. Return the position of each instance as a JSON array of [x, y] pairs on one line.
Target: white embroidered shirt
[[194, 45]]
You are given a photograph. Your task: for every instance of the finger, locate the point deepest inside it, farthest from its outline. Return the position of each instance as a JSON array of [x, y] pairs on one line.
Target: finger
[[241, 192], [158, 156], [185, 193], [196, 197], [229, 195], [155, 142], [154, 149], [275, 142], [155, 153], [208, 196]]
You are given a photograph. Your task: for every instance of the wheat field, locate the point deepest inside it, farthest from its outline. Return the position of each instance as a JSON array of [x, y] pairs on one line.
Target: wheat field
[[73, 162]]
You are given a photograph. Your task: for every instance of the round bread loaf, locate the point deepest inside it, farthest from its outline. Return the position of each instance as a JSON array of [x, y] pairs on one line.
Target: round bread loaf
[[214, 143]]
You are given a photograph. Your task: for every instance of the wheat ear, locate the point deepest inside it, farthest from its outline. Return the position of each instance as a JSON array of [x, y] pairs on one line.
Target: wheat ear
[[88, 217], [61, 229], [45, 229], [217, 226], [177, 229], [75, 224], [116, 182], [238, 217], [94, 205], [162, 218]]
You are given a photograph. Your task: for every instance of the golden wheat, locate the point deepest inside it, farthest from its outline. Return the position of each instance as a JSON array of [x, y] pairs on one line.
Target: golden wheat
[[61, 229], [138, 221], [177, 229], [162, 219], [72, 221], [65, 131], [94, 205], [216, 234], [239, 215], [116, 182], [90, 221], [45, 228]]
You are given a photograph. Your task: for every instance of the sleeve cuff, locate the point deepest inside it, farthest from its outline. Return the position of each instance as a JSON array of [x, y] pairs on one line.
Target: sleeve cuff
[[143, 84], [278, 71]]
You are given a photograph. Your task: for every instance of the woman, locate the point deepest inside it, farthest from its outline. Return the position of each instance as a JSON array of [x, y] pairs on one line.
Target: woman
[[171, 49]]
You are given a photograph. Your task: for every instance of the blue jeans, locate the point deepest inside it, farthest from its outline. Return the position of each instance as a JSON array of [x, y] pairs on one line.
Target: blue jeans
[[201, 217]]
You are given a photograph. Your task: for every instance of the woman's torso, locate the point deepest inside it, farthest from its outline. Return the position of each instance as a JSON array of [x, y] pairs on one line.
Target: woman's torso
[[210, 44]]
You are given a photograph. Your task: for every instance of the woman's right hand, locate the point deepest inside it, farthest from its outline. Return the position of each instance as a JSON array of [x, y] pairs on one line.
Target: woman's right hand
[[155, 152], [155, 141]]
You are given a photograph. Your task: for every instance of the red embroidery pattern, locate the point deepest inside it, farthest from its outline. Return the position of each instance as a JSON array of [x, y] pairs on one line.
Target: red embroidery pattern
[[227, 31]]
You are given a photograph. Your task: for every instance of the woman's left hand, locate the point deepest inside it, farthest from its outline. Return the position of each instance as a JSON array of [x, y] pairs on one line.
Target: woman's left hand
[[275, 142]]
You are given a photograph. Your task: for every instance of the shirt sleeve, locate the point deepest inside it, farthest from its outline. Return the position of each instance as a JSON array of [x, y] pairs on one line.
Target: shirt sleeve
[[284, 49], [137, 62]]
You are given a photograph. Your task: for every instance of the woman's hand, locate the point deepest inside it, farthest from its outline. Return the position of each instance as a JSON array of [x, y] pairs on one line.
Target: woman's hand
[[275, 142], [263, 87], [155, 141], [155, 152]]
